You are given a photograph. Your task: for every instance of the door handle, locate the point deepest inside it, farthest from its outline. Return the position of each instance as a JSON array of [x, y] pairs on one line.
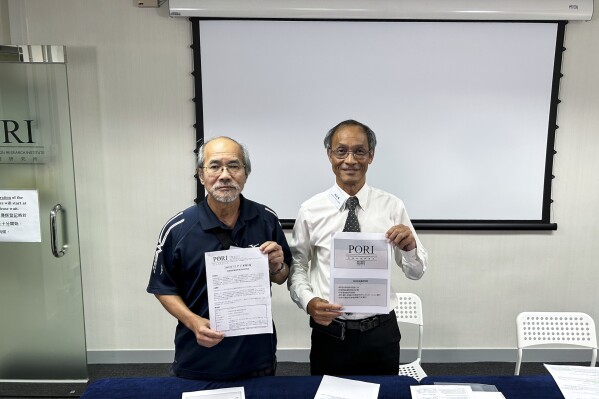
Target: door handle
[[54, 233]]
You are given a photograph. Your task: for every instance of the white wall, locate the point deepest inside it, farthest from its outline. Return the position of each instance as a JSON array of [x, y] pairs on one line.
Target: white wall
[[4, 24], [130, 89]]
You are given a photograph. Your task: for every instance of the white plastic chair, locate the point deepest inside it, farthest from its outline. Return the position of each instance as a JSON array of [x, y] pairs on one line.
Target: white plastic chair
[[569, 328], [409, 310]]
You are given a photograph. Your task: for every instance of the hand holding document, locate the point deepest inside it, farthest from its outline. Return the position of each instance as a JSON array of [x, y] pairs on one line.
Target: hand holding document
[[223, 393], [239, 291], [361, 272], [576, 382], [342, 388]]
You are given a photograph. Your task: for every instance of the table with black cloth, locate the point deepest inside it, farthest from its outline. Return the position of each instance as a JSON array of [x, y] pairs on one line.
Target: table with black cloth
[[305, 387]]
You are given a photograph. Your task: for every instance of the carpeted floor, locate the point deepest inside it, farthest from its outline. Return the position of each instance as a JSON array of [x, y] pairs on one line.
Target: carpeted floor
[[98, 371]]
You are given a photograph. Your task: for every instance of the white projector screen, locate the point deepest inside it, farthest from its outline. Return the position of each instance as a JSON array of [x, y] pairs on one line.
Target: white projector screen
[[461, 110]]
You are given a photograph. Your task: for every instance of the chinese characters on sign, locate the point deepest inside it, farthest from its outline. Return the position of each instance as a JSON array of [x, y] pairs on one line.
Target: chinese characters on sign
[[19, 216], [22, 154]]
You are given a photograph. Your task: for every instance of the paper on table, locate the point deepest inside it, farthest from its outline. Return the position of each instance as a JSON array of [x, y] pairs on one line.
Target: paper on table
[[441, 392], [361, 272], [239, 291], [576, 382], [487, 395], [223, 393], [475, 386], [342, 388]]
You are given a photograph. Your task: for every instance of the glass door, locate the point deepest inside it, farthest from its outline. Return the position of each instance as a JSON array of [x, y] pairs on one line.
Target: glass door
[[42, 334]]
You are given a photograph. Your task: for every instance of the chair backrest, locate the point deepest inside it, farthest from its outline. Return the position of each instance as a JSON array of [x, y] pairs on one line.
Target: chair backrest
[[409, 310], [537, 328], [569, 328]]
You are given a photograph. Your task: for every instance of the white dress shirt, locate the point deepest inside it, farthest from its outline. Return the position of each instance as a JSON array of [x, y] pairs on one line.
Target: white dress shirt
[[324, 214]]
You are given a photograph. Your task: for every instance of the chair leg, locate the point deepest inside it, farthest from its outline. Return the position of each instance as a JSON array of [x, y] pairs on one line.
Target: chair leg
[[420, 342], [518, 362]]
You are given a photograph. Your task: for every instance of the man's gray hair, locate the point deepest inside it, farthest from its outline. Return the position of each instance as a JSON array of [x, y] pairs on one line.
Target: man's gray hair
[[244, 153], [328, 139]]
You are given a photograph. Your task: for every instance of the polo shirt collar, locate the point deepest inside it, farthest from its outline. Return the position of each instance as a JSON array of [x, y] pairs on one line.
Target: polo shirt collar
[[208, 219]]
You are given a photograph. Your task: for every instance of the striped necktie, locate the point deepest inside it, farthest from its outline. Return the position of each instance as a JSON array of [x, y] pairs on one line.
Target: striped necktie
[[352, 224]]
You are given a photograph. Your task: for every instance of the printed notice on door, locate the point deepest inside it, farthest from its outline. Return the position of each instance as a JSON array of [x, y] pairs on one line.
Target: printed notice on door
[[360, 272], [19, 216], [239, 291]]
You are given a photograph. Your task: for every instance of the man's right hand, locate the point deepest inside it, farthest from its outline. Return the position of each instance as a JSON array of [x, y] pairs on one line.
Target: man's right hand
[[322, 311], [200, 326], [205, 336]]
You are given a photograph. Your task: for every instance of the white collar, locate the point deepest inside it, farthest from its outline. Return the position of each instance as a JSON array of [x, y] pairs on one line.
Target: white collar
[[338, 197]]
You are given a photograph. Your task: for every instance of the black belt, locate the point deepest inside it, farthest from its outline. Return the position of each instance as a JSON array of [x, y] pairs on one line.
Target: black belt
[[366, 324], [337, 328]]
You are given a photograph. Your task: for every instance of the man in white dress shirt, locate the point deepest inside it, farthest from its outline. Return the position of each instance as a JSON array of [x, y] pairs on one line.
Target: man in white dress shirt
[[344, 343]]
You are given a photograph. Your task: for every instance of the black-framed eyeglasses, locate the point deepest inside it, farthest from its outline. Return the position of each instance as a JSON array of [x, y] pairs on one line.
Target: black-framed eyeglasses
[[342, 153], [216, 169]]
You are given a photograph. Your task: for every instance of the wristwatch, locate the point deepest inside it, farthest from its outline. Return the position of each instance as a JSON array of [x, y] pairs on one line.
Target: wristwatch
[[279, 270]]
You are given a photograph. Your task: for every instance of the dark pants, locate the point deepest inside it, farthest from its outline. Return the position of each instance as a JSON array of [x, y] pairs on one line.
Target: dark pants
[[373, 352], [267, 372]]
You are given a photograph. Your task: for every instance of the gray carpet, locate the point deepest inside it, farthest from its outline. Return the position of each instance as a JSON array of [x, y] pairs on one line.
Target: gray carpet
[[98, 371]]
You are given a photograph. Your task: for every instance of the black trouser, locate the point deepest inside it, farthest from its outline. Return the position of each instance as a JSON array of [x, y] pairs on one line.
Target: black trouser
[[372, 352], [267, 372]]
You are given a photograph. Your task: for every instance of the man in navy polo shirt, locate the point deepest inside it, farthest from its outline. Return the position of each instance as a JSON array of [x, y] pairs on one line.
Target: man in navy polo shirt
[[178, 277]]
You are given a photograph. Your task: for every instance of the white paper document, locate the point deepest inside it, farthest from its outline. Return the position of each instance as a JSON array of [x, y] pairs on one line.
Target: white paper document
[[19, 216], [361, 272], [479, 391], [239, 291], [576, 382], [487, 395], [222, 393], [441, 392], [343, 388]]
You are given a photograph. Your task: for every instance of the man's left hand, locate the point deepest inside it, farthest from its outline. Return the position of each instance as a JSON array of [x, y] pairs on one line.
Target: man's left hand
[[401, 236], [275, 254]]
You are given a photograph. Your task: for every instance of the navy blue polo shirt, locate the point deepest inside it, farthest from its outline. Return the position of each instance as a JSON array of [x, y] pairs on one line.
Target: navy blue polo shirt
[[179, 269]]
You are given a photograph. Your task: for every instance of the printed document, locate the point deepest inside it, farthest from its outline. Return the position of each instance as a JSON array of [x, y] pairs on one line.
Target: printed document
[[576, 382], [343, 388], [479, 391], [222, 393], [239, 291], [361, 272], [441, 392], [19, 216]]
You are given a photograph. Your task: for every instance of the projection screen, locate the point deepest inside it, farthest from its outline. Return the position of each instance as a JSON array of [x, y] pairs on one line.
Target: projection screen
[[464, 112]]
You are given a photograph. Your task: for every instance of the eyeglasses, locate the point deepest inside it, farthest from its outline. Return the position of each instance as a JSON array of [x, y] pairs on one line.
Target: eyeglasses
[[216, 169], [342, 153]]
